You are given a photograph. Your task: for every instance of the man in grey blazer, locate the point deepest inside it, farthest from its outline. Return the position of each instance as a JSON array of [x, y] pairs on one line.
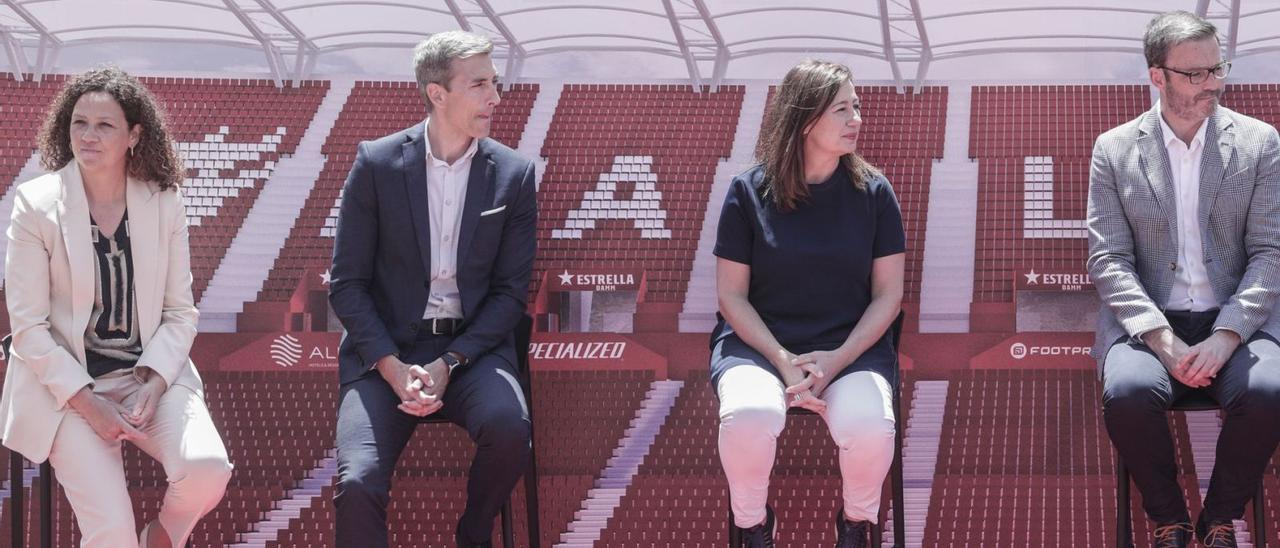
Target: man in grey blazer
[[1184, 248]]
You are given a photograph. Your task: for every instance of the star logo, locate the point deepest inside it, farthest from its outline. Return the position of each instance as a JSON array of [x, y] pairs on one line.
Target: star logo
[[325, 277], [1032, 277], [566, 278]]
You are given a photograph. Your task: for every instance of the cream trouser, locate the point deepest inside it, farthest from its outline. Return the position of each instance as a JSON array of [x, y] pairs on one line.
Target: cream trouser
[[182, 438], [752, 413]]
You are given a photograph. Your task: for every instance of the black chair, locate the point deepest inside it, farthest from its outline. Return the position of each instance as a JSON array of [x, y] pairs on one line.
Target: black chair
[[17, 532], [895, 469], [523, 333], [1196, 400], [17, 524]]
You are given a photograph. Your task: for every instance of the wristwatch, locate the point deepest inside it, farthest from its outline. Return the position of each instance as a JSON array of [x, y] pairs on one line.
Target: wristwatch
[[450, 360]]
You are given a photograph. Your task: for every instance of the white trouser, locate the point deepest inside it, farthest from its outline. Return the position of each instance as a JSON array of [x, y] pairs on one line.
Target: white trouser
[[752, 413], [180, 435]]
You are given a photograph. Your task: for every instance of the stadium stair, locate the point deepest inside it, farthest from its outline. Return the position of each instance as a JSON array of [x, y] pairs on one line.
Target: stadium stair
[[294, 502], [920, 458], [248, 261], [539, 123], [947, 286], [604, 498], [699, 312]]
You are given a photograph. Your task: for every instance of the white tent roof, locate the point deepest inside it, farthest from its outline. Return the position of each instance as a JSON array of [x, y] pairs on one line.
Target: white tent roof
[[702, 41]]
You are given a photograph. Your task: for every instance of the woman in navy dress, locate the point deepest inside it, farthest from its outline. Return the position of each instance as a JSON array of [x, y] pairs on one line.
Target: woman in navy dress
[[809, 277]]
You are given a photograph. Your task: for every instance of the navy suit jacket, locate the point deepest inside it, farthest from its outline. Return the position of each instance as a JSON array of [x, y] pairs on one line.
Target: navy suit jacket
[[382, 251]]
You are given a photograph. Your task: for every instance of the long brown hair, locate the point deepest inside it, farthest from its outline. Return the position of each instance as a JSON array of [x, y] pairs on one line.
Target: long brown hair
[[805, 93], [153, 158]]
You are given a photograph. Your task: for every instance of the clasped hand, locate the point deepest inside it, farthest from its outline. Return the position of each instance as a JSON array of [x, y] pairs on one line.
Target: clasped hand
[[1197, 365], [119, 421], [419, 387], [807, 378]]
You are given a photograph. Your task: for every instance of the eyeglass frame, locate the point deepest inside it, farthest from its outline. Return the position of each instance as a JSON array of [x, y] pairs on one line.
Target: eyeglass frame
[[1224, 66]]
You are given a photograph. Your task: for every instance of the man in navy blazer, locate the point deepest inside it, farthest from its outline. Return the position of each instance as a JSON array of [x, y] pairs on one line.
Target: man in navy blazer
[[431, 265]]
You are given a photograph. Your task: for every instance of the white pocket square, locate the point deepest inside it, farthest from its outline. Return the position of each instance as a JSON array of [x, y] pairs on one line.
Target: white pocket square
[[492, 211]]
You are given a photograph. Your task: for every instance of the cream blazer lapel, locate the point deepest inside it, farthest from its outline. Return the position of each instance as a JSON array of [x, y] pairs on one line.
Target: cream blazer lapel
[[73, 219], [144, 234]]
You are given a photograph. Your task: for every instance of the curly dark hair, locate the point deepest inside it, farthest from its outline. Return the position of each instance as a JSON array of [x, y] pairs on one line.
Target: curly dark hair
[[153, 158]]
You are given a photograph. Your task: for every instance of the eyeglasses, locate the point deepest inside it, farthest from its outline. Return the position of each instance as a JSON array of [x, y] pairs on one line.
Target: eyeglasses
[[1198, 76]]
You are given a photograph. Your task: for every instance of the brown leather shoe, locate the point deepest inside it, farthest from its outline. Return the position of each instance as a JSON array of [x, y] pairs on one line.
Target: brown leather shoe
[[1173, 535], [1217, 533]]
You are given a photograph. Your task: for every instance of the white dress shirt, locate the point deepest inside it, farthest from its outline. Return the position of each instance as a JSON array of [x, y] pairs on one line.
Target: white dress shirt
[[1191, 289], [446, 194]]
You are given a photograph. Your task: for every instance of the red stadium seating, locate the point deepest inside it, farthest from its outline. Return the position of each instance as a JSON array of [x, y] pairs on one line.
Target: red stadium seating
[[25, 105], [667, 139], [1025, 461], [1261, 101], [1009, 124], [231, 133]]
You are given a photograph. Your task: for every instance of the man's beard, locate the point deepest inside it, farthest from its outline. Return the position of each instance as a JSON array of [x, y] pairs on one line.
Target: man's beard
[[1187, 107]]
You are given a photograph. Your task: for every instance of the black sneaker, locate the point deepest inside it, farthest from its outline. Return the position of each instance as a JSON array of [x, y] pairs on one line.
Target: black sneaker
[[759, 536], [1216, 534], [1172, 535], [851, 534]]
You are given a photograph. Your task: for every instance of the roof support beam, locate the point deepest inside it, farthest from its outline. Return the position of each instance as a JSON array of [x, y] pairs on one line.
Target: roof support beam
[[926, 50], [306, 50], [1233, 34], [458, 16], [695, 75], [721, 65], [274, 60], [14, 46], [899, 44], [886, 44], [13, 50], [515, 50]]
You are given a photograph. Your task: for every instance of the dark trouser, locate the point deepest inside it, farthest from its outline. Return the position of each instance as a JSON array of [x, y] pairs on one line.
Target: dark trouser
[[484, 398], [1137, 392]]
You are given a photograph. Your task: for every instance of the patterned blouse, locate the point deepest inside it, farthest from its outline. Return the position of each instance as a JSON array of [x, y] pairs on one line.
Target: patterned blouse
[[111, 339]]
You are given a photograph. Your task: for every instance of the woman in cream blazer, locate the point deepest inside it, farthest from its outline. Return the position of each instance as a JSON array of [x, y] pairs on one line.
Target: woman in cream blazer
[[115, 183]]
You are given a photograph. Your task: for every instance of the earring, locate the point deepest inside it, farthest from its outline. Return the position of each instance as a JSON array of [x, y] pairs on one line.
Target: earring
[[131, 151]]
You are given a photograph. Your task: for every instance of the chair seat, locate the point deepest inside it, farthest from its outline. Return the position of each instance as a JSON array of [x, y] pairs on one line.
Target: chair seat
[[1195, 400]]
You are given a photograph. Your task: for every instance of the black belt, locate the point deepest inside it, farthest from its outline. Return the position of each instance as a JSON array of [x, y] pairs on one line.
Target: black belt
[[437, 326]]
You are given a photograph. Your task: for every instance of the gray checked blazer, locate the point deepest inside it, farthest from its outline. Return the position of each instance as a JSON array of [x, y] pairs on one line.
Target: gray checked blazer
[[1133, 226]]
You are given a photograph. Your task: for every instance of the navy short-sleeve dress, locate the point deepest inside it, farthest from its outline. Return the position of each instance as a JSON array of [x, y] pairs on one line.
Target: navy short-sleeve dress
[[810, 267]]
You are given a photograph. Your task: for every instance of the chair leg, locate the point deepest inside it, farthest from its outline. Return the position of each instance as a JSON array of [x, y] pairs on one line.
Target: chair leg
[[508, 536], [531, 503], [16, 522], [1259, 518], [46, 505], [734, 539], [1124, 525], [897, 482]]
